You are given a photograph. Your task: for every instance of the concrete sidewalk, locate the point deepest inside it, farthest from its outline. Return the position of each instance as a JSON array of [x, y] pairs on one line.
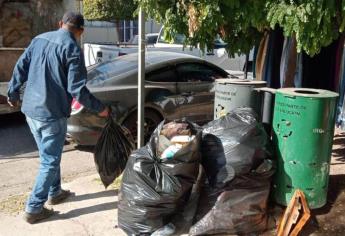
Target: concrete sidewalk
[[92, 211]]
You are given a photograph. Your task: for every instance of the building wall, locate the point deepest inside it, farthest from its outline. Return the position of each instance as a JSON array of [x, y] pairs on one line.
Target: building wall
[[15, 24], [100, 35], [100, 32], [21, 21], [110, 33], [8, 59], [152, 27], [71, 5]]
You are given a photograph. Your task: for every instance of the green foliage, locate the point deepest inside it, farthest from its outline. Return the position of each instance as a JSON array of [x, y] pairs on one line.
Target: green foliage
[[109, 10], [244, 23], [241, 23], [314, 23], [203, 20]]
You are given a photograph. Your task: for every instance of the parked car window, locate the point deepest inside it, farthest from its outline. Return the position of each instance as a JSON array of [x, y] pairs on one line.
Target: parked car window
[[193, 72], [166, 74], [152, 39], [118, 66]]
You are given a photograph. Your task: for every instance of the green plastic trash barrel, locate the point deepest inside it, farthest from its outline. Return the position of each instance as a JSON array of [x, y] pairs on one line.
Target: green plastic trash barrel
[[303, 130], [234, 93]]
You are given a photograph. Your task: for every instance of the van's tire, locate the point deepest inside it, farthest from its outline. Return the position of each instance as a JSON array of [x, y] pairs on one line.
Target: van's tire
[[152, 120]]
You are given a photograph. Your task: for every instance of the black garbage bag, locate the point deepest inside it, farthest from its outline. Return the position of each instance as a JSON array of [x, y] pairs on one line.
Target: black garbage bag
[[235, 155], [112, 151], [240, 207], [154, 189], [233, 145], [183, 220]]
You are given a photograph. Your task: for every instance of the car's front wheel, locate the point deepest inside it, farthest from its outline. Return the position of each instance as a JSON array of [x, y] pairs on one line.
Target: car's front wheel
[[152, 120]]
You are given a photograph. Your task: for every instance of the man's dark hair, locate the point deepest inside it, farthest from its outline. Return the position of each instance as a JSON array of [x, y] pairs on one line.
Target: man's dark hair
[[74, 20]]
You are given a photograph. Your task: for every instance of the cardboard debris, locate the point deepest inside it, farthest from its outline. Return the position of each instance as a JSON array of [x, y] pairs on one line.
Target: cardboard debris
[[296, 215]]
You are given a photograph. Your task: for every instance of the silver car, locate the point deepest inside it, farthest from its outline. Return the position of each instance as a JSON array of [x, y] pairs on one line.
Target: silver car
[[176, 85]]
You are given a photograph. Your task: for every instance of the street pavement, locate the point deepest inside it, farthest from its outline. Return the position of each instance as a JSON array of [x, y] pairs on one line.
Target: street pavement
[[19, 159]]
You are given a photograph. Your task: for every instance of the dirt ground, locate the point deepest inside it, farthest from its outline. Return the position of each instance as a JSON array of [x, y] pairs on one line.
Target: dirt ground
[[330, 219]]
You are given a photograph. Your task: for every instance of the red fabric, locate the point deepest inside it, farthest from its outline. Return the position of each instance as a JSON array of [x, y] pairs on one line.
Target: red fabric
[[3, 99]]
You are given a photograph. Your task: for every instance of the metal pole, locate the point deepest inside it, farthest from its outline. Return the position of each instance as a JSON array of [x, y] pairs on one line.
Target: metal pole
[[124, 31], [81, 10], [246, 66], [131, 29], [141, 78]]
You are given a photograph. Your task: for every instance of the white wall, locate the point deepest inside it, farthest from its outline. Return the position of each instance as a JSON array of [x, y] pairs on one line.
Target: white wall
[[100, 35], [152, 27], [71, 5]]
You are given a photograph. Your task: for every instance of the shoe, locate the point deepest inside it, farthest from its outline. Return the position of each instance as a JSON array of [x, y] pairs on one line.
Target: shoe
[[33, 218], [59, 198]]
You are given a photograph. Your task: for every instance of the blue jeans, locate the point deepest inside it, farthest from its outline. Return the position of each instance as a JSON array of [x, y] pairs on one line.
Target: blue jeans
[[50, 138]]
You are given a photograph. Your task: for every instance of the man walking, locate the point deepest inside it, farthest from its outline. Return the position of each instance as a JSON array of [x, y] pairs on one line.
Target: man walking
[[54, 71]]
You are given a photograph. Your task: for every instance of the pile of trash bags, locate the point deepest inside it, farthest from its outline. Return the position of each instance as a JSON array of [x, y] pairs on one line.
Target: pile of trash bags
[[157, 183], [112, 151], [240, 207], [218, 176], [236, 158]]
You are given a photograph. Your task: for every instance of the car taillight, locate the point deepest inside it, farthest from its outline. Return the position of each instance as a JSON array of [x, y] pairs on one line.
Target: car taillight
[[76, 106], [3, 100], [122, 54]]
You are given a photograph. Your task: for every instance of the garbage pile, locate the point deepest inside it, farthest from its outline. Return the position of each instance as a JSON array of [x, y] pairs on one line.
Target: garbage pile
[[236, 158], [231, 161], [172, 138], [157, 183]]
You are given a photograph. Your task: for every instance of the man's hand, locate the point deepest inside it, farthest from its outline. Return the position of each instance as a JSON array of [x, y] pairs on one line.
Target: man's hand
[[105, 112], [13, 103]]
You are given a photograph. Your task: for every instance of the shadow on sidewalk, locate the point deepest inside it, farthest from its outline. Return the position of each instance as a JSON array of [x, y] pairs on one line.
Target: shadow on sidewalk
[[338, 151], [328, 220], [85, 211], [90, 149], [16, 137], [105, 193]]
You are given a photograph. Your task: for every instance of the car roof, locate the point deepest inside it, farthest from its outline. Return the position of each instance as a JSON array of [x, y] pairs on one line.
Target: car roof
[[152, 57], [127, 65]]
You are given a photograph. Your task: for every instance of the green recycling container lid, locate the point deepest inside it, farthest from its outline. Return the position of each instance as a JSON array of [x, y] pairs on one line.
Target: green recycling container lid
[[307, 92]]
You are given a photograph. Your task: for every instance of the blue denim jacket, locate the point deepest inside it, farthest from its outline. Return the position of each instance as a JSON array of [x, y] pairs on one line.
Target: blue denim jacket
[[54, 70]]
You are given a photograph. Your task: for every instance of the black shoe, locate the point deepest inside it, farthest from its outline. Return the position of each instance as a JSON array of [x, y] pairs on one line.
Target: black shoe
[[59, 198], [33, 218]]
